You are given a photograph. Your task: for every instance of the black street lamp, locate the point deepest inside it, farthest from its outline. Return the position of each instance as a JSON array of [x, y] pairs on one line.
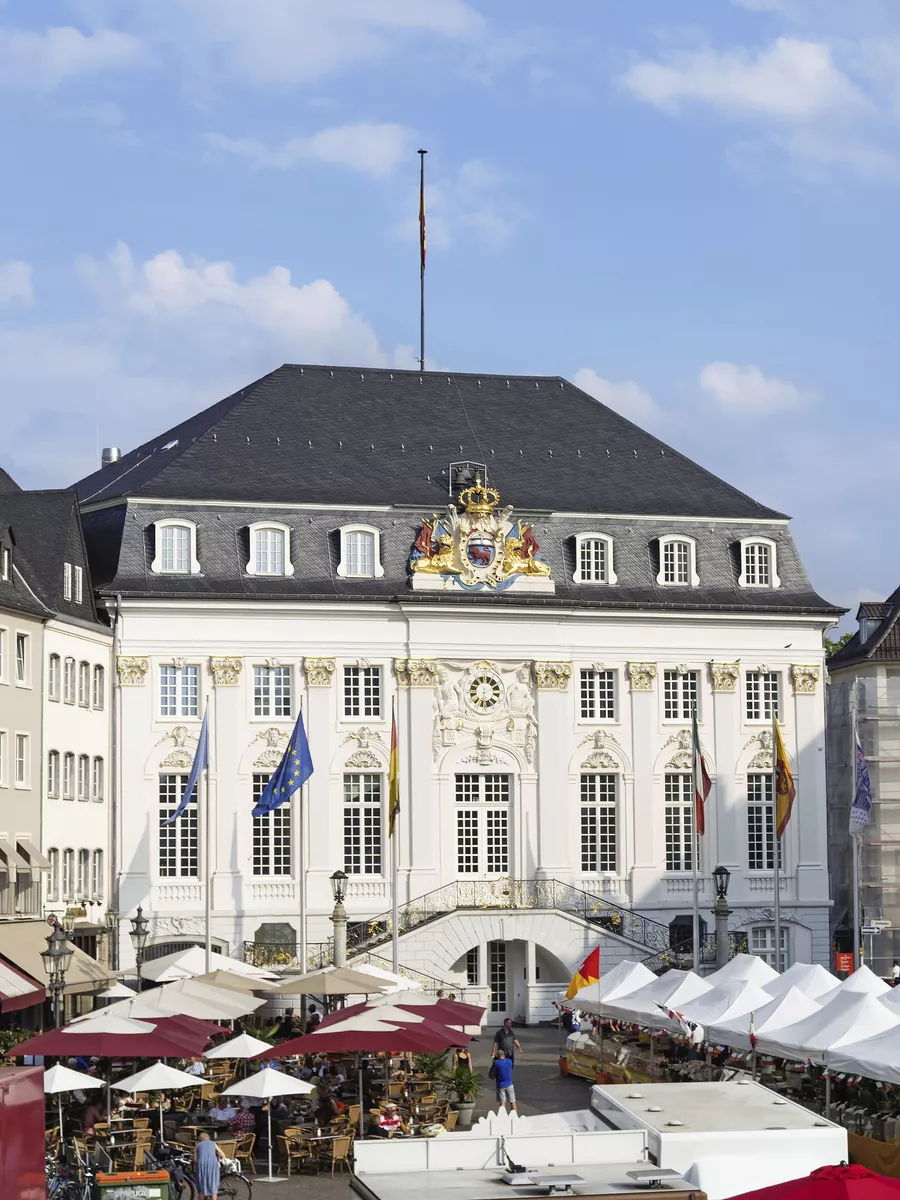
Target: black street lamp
[[721, 877], [56, 959], [338, 886], [339, 918], [721, 911], [140, 930]]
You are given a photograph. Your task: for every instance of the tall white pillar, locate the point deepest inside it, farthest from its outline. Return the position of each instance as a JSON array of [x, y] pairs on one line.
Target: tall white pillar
[[554, 718]]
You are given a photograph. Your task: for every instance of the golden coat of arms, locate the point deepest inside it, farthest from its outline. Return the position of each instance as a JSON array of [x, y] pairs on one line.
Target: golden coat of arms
[[478, 545]]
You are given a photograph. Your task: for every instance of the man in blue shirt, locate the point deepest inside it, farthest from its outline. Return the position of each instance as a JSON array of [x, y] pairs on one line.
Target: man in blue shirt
[[502, 1073]]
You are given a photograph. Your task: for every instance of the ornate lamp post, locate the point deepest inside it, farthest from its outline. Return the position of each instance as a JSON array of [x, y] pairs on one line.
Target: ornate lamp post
[[721, 911], [56, 959], [140, 929], [339, 918]]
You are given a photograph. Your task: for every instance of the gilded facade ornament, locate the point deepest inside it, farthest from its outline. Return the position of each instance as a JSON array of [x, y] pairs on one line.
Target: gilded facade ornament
[[641, 675], [606, 753], [476, 545], [319, 671], [401, 672], [805, 677], [485, 698], [132, 671], [724, 675], [553, 676], [226, 671], [423, 672]]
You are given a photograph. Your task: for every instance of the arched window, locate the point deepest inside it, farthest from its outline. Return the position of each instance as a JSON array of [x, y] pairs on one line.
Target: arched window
[[360, 553], [99, 695], [84, 684], [84, 767], [176, 548], [270, 550], [677, 562], [97, 881], [758, 563], [68, 875], [53, 881], [594, 558], [69, 776], [53, 774], [69, 681], [54, 671]]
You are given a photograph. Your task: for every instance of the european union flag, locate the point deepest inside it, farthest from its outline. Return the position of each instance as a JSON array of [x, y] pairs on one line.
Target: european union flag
[[293, 771], [200, 763]]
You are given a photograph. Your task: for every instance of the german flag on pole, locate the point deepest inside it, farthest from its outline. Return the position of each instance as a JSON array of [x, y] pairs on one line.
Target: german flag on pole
[[784, 783], [393, 777], [587, 973]]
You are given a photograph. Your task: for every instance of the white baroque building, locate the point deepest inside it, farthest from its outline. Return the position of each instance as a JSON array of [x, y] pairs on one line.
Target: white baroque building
[[544, 592]]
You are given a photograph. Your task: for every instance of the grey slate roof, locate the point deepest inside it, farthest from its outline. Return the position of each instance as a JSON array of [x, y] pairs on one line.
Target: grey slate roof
[[341, 435], [881, 646]]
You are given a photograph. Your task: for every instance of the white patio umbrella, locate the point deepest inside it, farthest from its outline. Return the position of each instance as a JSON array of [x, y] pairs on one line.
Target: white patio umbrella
[[61, 1079], [184, 964], [245, 984], [242, 1046], [331, 981], [118, 991], [391, 979], [188, 998], [265, 1084], [158, 1078]]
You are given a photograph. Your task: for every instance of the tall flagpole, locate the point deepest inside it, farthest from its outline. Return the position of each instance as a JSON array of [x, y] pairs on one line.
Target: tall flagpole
[[395, 864], [422, 154], [775, 838], [207, 858], [696, 851], [855, 838], [301, 838]]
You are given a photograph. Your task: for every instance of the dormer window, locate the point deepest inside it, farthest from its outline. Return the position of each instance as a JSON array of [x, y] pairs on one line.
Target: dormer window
[[176, 548], [677, 562], [67, 581], [270, 550], [758, 563], [594, 558], [5, 563], [360, 553]]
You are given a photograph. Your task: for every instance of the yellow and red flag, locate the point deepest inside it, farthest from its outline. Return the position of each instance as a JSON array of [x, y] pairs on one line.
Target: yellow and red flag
[[784, 784], [422, 223], [393, 779], [587, 973]]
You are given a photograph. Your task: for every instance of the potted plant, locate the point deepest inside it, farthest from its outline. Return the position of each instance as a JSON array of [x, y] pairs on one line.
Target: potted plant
[[432, 1066], [465, 1084]]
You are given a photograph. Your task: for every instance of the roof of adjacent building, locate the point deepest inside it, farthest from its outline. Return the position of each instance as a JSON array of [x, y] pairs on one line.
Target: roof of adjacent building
[[882, 644], [355, 436]]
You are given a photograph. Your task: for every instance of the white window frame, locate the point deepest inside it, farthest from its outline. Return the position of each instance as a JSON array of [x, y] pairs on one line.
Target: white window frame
[[98, 779], [764, 947], [193, 564], [684, 701], [68, 874], [745, 544], [265, 692], [84, 684], [4, 758], [359, 680], [84, 778], [610, 574], [595, 810], [757, 681], [54, 677], [97, 880], [70, 680], [181, 676], [67, 581], [760, 809], [680, 836], [53, 774], [590, 697], [5, 563], [4, 658], [271, 831], [98, 687], [285, 531], [363, 808], [343, 566], [23, 677], [476, 812], [84, 873], [79, 585], [22, 763], [53, 878], [669, 539], [68, 775], [181, 839]]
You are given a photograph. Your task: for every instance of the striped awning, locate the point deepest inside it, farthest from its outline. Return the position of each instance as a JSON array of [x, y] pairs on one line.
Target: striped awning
[[18, 990]]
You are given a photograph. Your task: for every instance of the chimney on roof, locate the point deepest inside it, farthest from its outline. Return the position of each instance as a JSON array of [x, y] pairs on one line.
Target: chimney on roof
[[109, 455]]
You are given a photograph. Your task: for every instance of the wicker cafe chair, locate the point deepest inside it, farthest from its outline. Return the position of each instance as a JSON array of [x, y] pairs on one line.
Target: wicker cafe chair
[[334, 1151], [244, 1151], [450, 1120], [293, 1150]]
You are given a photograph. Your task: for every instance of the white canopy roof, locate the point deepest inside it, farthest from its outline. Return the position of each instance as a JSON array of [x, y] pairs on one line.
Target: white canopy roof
[[397, 982], [64, 1079], [844, 1019], [877, 1057], [118, 991], [810, 978], [731, 999], [242, 1046], [110, 1020], [674, 990], [791, 1006], [187, 997], [158, 1078], [269, 1082], [625, 978], [743, 966], [185, 963], [863, 980]]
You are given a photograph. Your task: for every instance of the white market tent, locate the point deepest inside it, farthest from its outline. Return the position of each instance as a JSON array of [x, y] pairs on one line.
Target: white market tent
[[743, 966], [864, 980], [185, 963], [788, 1008], [624, 979], [877, 1057], [729, 1000], [674, 990], [841, 1021], [810, 978], [185, 997]]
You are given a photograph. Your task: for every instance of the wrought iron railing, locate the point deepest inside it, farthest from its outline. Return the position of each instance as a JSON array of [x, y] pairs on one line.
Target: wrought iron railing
[[682, 954]]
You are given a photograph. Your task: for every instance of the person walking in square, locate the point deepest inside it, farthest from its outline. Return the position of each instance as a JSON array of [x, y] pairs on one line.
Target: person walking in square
[[506, 1040], [502, 1073], [206, 1167]]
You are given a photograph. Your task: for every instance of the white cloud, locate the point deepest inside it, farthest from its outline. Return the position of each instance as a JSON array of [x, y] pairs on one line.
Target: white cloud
[[792, 80], [287, 43], [15, 283], [627, 397], [374, 149], [40, 62], [745, 391], [476, 199]]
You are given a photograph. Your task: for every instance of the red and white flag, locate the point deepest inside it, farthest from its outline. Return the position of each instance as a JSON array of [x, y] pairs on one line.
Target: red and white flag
[[702, 781], [752, 1031]]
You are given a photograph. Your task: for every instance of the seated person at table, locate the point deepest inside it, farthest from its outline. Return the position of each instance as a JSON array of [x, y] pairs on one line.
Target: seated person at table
[[312, 1021], [278, 1109], [222, 1112], [389, 1122], [309, 1068], [327, 1107], [196, 1067], [288, 1027], [333, 1076], [245, 1121], [92, 1115]]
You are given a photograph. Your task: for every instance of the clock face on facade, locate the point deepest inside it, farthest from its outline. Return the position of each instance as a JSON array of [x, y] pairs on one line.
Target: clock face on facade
[[484, 691]]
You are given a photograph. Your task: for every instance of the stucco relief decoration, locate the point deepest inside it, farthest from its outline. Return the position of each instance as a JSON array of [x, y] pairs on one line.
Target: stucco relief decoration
[[191, 926], [319, 671], [601, 757], [475, 545], [401, 672], [641, 675], [762, 759], [683, 757], [276, 740], [488, 701], [364, 757], [724, 676], [184, 748], [805, 678], [226, 672], [423, 672], [132, 671], [553, 676]]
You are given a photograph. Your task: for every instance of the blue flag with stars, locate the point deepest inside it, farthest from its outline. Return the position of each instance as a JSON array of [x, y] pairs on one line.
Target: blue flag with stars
[[293, 771]]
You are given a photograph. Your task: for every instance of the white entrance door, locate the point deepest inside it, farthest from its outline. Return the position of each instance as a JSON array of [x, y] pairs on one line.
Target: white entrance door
[[482, 826], [497, 979]]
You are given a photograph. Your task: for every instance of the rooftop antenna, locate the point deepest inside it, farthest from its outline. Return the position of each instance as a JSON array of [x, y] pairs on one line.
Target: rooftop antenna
[[422, 154]]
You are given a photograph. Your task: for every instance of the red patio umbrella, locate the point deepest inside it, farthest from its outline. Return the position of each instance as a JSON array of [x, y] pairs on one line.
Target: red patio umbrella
[[375, 1038], [443, 1012], [846, 1182], [172, 1043]]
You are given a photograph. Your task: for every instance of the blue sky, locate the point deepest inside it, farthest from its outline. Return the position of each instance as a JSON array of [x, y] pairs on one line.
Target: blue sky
[[689, 208]]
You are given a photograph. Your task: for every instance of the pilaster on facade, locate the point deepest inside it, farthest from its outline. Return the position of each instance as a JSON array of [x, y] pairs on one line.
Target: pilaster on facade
[[132, 670], [319, 672], [642, 676], [724, 676]]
